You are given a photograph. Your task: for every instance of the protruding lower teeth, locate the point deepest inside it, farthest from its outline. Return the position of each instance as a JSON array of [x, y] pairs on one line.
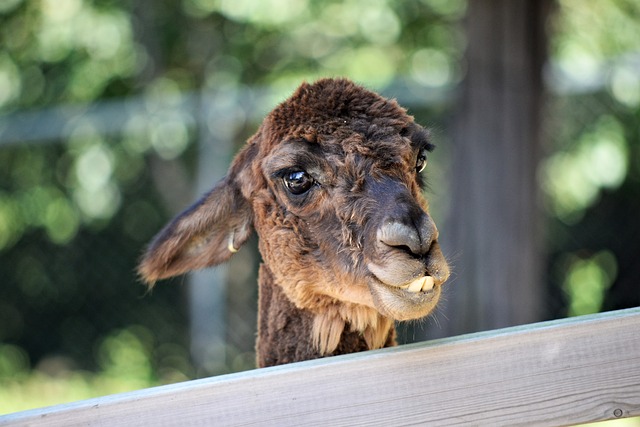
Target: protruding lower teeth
[[428, 283], [424, 284], [416, 285]]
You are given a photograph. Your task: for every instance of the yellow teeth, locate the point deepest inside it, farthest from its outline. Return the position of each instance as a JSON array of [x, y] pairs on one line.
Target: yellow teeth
[[415, 286], [423, 284]]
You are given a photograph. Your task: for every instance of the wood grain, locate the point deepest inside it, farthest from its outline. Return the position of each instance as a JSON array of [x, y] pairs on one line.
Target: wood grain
[[554, 373]]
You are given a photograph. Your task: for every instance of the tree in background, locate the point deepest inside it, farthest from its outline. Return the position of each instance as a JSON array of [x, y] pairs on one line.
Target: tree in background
[[495, 215]]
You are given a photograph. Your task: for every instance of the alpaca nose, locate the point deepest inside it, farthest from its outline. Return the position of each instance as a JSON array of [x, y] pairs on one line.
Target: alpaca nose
[[415, 239]]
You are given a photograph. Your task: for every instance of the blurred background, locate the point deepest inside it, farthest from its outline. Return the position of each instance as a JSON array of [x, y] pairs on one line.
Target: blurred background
[[115, 116]]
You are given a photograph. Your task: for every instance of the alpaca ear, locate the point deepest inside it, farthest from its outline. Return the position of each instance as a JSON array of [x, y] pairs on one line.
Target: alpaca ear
[[205, 234]]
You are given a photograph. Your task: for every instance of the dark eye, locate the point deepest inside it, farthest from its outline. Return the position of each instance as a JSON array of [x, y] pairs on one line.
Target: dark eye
[[421, 162], [298, 182]]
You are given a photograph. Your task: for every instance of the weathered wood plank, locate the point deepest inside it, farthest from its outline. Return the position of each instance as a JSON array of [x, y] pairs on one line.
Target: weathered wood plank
[[553, 373]]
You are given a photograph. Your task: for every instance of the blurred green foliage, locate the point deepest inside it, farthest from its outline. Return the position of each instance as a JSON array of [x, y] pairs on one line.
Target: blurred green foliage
[[70, 51], [124, 359], [596, 150], [75, 213], [591, 177]]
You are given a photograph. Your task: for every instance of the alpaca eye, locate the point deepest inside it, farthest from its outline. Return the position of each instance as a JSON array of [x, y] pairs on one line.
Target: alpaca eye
[[421, 162], [298, 182]]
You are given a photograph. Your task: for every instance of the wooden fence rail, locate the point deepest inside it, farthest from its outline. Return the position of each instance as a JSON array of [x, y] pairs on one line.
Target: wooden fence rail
[[553, 373]]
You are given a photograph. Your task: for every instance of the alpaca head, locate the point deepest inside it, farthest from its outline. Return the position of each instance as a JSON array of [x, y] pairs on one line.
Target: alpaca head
[[331, 182]]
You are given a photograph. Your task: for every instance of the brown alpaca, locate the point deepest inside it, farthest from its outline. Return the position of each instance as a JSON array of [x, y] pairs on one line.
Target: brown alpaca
[[331, 183]]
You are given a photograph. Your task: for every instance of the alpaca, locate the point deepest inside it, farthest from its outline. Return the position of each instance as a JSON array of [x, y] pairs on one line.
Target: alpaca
[[332, 184]]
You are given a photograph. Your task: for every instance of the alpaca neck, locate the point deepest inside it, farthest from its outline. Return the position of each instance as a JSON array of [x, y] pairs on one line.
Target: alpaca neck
[[285, 332]]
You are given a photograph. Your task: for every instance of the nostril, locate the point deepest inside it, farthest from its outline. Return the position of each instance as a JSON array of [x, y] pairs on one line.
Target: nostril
[[403, 237]]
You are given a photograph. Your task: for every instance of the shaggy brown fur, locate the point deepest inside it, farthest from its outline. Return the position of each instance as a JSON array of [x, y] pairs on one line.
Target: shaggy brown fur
[[331, 183]]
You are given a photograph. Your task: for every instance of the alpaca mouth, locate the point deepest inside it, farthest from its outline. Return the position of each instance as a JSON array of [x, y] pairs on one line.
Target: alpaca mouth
[[422, 284], [410, 301], [416, 289]]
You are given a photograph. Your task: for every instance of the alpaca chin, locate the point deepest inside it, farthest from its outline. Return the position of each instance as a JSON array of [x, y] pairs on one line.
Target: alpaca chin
[[401, 304]]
